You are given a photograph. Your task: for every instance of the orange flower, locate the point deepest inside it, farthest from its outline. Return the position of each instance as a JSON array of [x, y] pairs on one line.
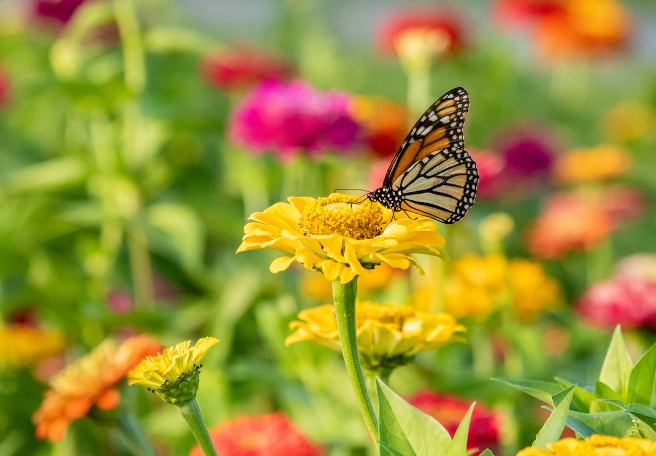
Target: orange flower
[[90, 381], [592, 165], [581, 220], [385, 123]]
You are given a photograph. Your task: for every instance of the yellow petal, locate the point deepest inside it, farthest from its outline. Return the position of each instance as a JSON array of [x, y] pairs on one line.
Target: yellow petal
[[281, 264]]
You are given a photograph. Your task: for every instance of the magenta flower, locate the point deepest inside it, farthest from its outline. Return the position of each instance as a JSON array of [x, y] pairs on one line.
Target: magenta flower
[[527, 153], [293, 117], [61, 10], [630, 302]]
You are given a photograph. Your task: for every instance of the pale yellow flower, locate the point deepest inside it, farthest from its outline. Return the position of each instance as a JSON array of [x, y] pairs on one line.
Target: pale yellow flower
[[341, 236], [388, 335], [596, 445], [170, 365]]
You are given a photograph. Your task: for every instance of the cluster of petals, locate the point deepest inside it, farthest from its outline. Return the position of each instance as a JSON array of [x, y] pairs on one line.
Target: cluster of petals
[[271, 434], [449, 410], [595, 164], [91, 381], [59, 10], [289, 118], [595, 445], [167, 367], [339, 255], [242, 67], [22, 346], [580, 220], [386, 332], [568, 29], [478, 286]]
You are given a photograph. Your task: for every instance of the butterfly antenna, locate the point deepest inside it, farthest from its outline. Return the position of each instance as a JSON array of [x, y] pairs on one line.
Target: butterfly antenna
[[351, 190]]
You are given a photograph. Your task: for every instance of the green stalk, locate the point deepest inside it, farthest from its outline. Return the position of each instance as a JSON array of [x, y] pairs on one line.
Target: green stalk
[[344, 296], [191, 413], [140, 267], [133, 53], [133, 432], [418, 89]]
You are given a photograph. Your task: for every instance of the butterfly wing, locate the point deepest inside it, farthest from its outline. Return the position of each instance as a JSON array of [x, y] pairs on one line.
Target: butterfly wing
[[441, 185], [440, 127]]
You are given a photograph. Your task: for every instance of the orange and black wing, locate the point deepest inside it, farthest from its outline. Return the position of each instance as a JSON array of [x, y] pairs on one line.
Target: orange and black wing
[[440, 127], [441, 186]]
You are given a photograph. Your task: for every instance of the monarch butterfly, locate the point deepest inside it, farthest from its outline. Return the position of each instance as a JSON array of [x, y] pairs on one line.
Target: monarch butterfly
[[432, 174]]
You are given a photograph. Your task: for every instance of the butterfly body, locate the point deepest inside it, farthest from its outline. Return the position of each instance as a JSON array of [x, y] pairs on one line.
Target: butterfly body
[[431, 173]]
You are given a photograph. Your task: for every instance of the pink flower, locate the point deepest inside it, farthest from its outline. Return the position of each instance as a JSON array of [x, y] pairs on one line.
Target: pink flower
[[262, 435], [5, 88], [637, 266], [377, 173], [630, 302], [242, 67], [490, 169], [450, 410], [293, 117]]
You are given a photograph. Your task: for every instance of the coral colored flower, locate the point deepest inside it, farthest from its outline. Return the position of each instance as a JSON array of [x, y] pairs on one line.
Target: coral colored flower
[[242, 67], [385, 123], [174, 374], [426, 31], [595, 445], [340, 236], [593, 165], [490, 169], [60, 10], [516, 13], [478, 286], [293, 117], [22, 345], [261, 435], [377, 173], [93, 380], [388, 335], [449, 411], [581, 220], [630, 302]]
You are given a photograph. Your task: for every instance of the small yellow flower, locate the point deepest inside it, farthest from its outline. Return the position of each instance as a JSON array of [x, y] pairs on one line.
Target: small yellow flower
[[596, 445], [593, 165], [493, 229], [478, 286], [417, 47], [22, 346], [174, 374], [340, 236], [388, 335], [627, 121]]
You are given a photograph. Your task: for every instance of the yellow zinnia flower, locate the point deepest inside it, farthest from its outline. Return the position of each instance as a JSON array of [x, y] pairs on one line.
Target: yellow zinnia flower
[[22, 346], [388, 335], [593, 165], [340, 236], [596, 445], [174, 374], [477, 286]]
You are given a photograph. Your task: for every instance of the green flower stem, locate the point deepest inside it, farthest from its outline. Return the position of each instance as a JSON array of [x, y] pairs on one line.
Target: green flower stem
[[344, 296], [133, 52], [133, 432], [191, 413], [418, 89]]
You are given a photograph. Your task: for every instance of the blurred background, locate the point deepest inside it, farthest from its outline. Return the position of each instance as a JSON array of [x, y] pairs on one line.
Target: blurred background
[[136, 137]]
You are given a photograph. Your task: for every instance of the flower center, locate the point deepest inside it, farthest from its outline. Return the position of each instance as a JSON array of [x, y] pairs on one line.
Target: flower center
[[417, 46], [384, 313], [341, 214]]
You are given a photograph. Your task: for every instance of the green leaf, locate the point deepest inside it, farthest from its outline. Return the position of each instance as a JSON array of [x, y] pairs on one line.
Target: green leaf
[[643, 430], [580, 427], [641, 380], [487, 453], [459, 443], [553, 427], [604, 397], [617, 424], [641, 409], [406, 429], [617, 366], [540, 390], [582, 397], [387, 450]]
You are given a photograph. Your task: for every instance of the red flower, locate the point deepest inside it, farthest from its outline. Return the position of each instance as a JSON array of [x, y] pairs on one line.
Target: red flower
[[516, 13], [5, 88], [242, 67], [262, 435], [450, 410], [424, 21], [385, 123]]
